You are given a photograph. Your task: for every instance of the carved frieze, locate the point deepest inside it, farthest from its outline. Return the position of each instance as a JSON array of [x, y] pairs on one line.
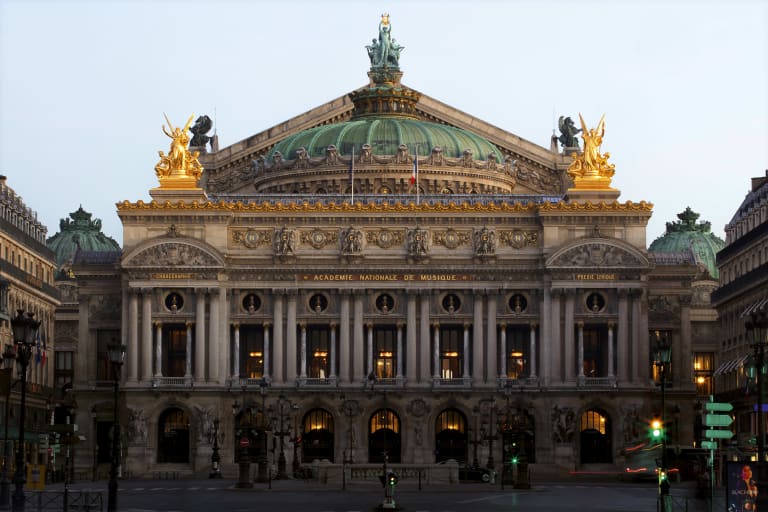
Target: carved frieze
[[596, 254], [283, 241], [318, 238], [450, 238], [173, 254], [252, 238], [385, 238], [518, 239], [417, 243], [484, 242], [351, 242]]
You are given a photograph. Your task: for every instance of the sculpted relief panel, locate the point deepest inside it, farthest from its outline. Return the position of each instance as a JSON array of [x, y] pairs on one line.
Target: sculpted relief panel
[[173, 254]]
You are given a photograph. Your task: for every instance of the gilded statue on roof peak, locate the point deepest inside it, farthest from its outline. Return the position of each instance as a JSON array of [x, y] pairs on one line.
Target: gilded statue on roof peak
[[384, 52], [180, 167], [590, 168]]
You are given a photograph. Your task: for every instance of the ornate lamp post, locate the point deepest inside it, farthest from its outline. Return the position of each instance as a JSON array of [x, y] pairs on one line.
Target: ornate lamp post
[[663, 355], [283, 405], [116, 358], [5, 485], [24, 333]]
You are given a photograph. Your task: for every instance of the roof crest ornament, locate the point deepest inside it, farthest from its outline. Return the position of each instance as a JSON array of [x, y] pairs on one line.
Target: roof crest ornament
[[590, 169], [179, 169]]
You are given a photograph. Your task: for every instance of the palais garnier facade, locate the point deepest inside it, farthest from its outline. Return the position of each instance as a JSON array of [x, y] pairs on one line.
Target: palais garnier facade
[[387, 276]]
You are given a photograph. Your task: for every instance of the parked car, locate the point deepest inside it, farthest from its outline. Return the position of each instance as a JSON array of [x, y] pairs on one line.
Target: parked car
[[474, 474]]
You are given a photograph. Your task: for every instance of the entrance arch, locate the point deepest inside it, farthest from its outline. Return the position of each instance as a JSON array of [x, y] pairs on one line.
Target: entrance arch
[[451, 436], [518, 433], [384, 436], [173, 436], [317, 437], [595, 437]]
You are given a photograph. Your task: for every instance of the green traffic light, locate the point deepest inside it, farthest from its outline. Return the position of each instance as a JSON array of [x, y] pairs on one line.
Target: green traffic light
[[514, 460]]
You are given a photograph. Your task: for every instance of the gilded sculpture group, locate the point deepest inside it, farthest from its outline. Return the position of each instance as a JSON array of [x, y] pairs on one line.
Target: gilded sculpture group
[[179, 161], [591, 164]]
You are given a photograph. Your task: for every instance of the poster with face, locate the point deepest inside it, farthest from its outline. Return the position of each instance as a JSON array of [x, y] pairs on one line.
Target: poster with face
[[744, 489]]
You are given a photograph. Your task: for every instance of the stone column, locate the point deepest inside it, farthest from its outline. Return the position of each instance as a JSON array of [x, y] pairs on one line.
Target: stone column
[[236, 351], [610, 349], [436, 350], [357, 340], [571, 362], [214, 342], [369, 343], [682, 353], [146, 335], [303, 353], [344, 344], [159, 349], [83, 365], [188, 351], [643, 336], [638, 362], [476, 355], [267, 352], [555, 343], [290, 339], [133, 335], [491, 350], [581, 350], [532, 372], [225, 343], [332, 354], [546, 335], [622, 339], [503, 351], [200, 335], [278, 364], [400, 350], [424, 339], [411, 340]]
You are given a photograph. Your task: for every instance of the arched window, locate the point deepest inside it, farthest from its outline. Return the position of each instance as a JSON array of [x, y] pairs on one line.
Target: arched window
[[595, 437], [317, 437], [173, 436], [384, 436], [451, 436]]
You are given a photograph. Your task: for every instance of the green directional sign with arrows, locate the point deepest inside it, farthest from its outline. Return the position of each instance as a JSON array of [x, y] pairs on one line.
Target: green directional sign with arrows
[[709, 445], [718, 420], [718, 434], [718, 406]]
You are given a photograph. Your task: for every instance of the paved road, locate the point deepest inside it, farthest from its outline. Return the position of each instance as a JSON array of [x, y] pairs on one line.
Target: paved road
[[299, 496]]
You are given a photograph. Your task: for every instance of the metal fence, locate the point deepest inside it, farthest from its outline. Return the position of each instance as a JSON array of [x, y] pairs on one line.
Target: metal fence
[[66, 501]]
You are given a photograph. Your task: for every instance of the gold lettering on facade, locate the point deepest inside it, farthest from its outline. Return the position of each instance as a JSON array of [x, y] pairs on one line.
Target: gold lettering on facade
[[170, 275], [385, 277], [595, 277]]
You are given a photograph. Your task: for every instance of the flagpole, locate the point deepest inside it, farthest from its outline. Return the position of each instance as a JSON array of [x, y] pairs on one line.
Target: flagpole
[[352, 174], [416, 172]]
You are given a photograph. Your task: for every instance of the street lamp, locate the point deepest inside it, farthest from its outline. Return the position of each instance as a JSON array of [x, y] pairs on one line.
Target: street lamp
[[757, 326], [282, 404], [24, 332], [5, 485], [116, 358], [663, 355]]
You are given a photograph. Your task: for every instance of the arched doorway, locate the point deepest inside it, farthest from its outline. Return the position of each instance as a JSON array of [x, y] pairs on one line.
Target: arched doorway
[[384, 436], [451, 436], [595, 437], [317, 439], [173, 436]]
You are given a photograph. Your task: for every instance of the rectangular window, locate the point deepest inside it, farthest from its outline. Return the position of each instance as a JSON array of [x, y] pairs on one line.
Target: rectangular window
[[595, 351], [251, 351], [703, 366], [451, 351], [385, 351], [174, 359], [318, 351], [518, 344], [105, 338], [62, 370]]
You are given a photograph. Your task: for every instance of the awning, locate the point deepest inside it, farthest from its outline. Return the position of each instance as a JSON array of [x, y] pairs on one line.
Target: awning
[[758, 307], [731, 365]]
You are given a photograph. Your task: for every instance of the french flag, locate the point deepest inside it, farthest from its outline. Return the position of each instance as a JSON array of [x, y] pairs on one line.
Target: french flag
[[415, 172]]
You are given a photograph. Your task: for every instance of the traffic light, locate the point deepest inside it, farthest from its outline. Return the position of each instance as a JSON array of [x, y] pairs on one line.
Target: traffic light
[[657, 430], [514, 460], [392, 479]]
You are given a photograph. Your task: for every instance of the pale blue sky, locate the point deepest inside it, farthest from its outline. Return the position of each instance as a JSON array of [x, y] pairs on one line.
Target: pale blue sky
[[83, 85]]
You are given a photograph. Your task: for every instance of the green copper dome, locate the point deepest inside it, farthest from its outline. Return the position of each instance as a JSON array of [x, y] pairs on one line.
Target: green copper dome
[[686, 235], [79, 233], [385, 134]]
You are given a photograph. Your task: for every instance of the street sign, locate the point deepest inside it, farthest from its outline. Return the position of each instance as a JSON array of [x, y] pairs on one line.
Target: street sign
[[718, 406], [718, 420], [709, 445], [718, 434]]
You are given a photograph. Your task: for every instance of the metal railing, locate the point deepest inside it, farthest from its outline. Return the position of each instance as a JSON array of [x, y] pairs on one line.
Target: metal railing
[[67, 501]]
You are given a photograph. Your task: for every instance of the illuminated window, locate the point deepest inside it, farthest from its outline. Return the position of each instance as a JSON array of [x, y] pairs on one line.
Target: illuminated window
[[450, 419], [252, 351], [518, 342], [318, 347], [593, 420], [703, 364], [451, 351], [385, 351], [385, 419], [595, 360]]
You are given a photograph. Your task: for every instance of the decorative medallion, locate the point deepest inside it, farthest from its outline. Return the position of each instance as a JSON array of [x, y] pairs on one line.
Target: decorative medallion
[[252, 238], [518, 239], [385, 238], [450, 238], [318, 238], [485, 242]]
